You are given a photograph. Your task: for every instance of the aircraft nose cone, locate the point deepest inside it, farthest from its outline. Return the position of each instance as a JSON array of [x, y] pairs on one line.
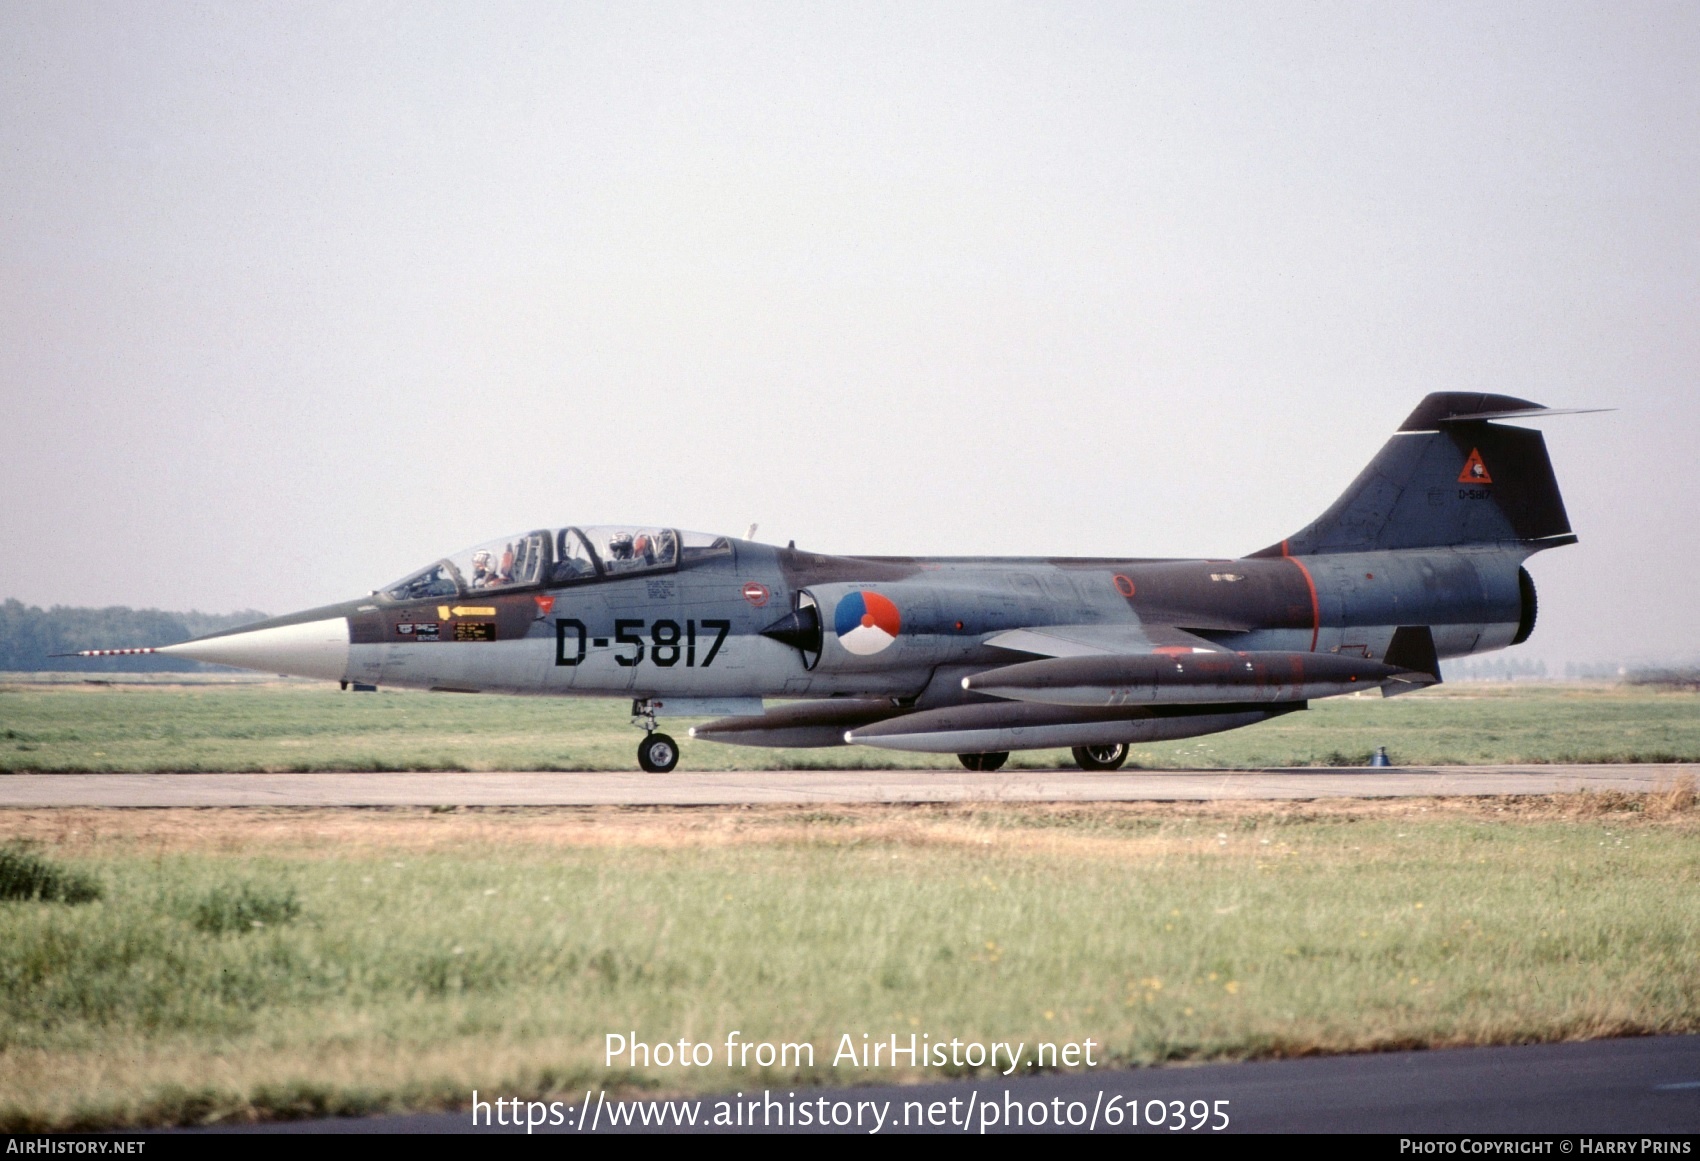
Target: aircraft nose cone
[[304, 649]]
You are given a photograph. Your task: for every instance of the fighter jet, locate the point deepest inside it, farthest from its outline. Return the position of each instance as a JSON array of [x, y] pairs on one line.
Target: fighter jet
[[1421, 559]]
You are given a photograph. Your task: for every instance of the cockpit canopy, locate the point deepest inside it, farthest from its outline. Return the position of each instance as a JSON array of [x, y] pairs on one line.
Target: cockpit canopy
[[563, 556]]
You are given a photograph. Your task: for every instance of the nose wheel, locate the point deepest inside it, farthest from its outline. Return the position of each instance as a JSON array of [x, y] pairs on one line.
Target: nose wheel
[[1100, 757], [658, 753], [987, 762]]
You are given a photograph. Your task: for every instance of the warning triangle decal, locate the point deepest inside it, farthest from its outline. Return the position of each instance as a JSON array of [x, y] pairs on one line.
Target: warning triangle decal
[[1475, 472]]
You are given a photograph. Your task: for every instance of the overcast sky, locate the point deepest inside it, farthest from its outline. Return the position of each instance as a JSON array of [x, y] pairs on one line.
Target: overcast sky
[[295, 297]]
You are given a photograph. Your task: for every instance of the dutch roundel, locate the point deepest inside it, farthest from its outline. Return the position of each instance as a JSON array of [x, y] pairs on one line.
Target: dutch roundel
[[866, 622]]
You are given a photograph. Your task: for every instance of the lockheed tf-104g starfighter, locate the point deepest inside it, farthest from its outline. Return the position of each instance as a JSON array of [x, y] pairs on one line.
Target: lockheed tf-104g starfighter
[[1420, 559]]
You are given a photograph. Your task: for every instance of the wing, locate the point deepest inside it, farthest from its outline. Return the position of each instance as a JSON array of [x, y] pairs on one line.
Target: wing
[[1099, 640]]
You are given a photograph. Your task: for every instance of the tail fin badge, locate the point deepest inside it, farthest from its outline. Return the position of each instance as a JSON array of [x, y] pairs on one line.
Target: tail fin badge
[[1475, 472]]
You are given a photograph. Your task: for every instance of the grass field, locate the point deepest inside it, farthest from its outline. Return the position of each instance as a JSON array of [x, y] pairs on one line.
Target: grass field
[[304, 726], [267, 963]]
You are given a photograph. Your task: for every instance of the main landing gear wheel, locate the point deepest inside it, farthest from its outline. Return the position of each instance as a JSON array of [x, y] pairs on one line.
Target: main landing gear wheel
[[983, 761], [658, 753], [1101, 757]]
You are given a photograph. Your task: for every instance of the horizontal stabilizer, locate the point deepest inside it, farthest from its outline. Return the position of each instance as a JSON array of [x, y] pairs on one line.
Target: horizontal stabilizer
[[1477, 407], [1527, 413]]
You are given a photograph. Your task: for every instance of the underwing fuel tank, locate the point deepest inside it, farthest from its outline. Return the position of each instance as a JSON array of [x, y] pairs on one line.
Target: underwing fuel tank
[[802, 724], [1188, 679], [994, 728]]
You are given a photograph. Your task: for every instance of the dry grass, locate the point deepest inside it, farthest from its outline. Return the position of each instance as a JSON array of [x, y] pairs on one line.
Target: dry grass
[[438, 951], [337, 832], [1677, 799]]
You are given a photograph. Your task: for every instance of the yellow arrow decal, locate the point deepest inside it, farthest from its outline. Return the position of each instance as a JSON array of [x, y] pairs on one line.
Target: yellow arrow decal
[[442, 612], [474, 610]]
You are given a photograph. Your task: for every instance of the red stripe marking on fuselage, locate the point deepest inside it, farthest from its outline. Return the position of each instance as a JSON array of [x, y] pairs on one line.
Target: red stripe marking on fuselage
[[1315, 605]]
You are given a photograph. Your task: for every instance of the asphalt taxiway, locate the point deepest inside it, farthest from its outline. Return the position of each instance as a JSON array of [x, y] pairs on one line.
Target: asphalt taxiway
[[719, 788]]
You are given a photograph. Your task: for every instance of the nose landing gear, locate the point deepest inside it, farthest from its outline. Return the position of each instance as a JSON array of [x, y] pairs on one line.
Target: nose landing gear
[[657, 753]]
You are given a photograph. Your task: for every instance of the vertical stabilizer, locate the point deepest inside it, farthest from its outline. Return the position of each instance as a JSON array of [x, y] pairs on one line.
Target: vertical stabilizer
[[1448, 477]]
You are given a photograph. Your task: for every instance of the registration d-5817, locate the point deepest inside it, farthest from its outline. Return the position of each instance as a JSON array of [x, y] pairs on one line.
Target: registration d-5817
[[663, 642]]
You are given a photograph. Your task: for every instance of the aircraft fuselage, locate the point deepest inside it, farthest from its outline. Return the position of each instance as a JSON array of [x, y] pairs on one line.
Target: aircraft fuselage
[[1419, 559], [697, 632]]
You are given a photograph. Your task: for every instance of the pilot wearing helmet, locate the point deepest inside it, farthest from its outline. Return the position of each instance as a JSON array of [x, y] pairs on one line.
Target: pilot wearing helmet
[[483, 570]]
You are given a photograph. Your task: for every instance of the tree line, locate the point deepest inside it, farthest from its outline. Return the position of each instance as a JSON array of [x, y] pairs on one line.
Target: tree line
[[29, 636]]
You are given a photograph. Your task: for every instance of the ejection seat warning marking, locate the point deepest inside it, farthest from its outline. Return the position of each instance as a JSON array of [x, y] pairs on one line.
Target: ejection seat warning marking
[[1475, 472], [418, 630], [475, 630], [444, 612]]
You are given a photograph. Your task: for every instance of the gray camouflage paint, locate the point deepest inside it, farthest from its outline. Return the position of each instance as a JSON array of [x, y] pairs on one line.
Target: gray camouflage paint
[[1432, 535]]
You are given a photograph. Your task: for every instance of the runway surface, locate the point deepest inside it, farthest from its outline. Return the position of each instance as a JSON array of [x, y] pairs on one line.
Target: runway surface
[[686, 788], [1643, 1086]]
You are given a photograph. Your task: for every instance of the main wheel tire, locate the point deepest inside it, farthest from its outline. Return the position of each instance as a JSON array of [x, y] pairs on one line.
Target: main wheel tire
[[983, 761], [658, 753], [1101, 757]]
